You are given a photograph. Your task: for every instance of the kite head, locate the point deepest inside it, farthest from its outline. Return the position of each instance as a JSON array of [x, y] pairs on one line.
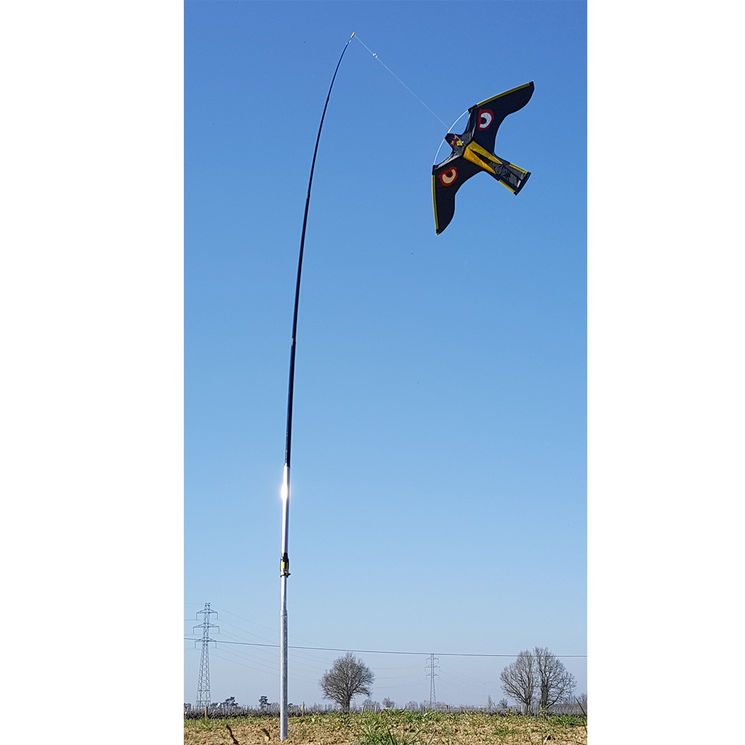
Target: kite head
[[453, 140]]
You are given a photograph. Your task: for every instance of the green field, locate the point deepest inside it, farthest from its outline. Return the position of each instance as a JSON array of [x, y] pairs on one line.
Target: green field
[[391, 728]]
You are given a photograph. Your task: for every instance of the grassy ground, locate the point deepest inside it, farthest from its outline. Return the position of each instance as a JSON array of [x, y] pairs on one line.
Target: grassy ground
[[390, 728]]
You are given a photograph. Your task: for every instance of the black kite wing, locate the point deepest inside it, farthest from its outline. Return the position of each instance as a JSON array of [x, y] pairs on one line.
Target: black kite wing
[[486, 116], [447, 178]]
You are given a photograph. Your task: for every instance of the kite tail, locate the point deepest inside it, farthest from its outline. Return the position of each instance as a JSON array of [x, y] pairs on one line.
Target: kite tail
[[511, 176]]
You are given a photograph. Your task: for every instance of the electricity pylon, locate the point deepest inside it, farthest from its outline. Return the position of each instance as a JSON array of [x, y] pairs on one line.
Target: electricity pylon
[[431, 667], [203, 686]]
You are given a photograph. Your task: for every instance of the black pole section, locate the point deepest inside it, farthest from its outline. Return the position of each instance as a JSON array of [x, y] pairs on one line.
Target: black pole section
[[284, 564], [288, 440]]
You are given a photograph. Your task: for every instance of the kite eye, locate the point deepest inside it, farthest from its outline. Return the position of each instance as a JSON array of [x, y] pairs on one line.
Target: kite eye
[[447, 177], [485, 118]]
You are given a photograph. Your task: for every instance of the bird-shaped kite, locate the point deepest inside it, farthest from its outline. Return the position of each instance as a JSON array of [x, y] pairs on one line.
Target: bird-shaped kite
[[473, 152]]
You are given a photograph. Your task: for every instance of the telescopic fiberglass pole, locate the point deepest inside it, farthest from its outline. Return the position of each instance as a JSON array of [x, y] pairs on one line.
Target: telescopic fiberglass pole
[[284, 563]]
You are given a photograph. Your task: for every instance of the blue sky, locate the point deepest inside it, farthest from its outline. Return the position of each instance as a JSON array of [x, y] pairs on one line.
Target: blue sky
[[439, 444]]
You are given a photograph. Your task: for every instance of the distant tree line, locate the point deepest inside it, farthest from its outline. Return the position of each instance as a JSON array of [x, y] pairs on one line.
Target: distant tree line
[[536, 681]]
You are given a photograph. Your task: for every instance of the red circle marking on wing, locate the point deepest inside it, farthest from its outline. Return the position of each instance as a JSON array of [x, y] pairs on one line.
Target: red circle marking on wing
[[447, 178]]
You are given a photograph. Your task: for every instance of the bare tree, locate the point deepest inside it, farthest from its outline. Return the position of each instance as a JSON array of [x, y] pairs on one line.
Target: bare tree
[[347, 678], [519, 680], [538, 672], [554, 681]]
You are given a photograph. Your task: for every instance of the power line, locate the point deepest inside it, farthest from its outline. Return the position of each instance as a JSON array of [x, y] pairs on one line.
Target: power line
[[384, 651]]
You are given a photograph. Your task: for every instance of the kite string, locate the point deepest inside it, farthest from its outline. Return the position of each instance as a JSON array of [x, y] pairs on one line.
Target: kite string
[[418, 98]]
